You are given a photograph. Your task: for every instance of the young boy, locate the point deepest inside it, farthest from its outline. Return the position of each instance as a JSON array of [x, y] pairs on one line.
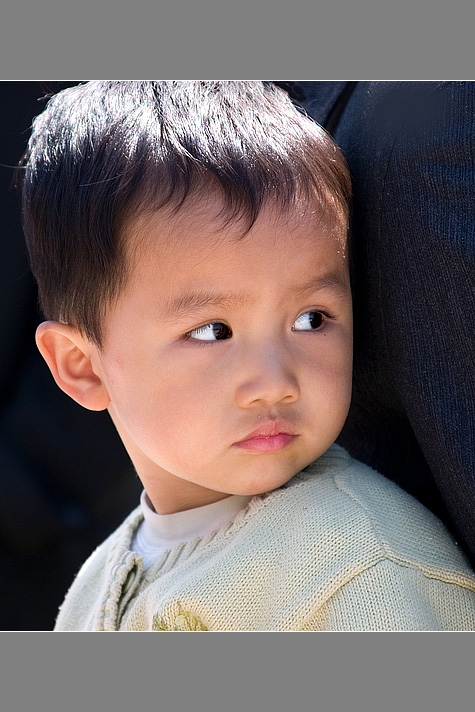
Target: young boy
[[190, 245]]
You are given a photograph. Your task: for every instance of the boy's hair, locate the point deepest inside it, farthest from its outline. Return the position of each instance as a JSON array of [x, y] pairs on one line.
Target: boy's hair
[[104, 152]]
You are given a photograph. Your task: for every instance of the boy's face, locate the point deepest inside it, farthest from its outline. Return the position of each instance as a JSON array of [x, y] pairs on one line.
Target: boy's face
[[227, 359]]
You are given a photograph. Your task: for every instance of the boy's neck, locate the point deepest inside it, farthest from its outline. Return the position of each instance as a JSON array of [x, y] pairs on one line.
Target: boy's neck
[[171, 505]]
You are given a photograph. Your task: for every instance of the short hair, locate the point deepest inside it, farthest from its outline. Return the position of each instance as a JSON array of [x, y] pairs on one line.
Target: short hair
[[102, 152]]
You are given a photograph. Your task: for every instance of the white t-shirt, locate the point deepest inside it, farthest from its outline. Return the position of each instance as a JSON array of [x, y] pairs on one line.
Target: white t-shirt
[[159, 532]]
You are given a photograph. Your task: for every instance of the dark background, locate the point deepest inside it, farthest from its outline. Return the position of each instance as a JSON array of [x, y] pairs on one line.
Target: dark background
[[66, 481]]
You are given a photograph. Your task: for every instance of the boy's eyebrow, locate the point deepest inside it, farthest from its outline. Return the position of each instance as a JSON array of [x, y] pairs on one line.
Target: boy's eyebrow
[[335, 281], [188, 302]]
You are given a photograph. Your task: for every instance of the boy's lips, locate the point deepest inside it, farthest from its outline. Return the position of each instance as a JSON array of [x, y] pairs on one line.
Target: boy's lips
[[269, 437]]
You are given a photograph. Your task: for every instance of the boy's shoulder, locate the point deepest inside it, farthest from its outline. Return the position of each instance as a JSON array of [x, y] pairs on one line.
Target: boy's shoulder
[[350, 500]]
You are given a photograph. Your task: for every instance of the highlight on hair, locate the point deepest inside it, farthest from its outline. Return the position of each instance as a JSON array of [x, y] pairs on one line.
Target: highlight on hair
[[103, 152]]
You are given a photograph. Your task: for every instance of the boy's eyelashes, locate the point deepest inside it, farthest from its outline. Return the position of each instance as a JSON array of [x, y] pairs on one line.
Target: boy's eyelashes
[[313, 320], [215, 331]]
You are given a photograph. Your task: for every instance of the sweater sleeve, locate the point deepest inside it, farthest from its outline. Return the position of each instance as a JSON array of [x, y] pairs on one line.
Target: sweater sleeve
[[393, 597]]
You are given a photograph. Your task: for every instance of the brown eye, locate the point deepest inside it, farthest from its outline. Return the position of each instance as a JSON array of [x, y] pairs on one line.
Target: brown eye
[[211, 332], [310, 321], [221, 331]]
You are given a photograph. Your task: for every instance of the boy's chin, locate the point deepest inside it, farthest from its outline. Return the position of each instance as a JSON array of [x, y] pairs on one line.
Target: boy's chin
[[264, 482]]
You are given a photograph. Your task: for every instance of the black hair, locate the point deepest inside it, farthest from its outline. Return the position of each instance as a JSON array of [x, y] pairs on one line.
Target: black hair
[[103, 152]]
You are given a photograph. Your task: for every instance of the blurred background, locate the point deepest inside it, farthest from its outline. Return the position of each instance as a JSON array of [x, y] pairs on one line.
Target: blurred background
[[66, 481]]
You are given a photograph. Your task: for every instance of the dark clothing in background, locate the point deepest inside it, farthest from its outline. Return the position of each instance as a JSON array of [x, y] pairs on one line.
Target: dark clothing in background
[[65, 479], [411, 152]]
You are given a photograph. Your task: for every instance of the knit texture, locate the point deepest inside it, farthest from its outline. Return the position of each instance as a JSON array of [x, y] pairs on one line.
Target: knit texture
[[339, 547]]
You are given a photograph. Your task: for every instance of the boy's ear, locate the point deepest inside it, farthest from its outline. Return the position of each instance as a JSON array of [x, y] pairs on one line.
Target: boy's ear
[[69, 356]]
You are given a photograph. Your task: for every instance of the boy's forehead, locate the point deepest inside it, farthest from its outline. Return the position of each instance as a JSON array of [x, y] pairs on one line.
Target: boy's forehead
[[205, 220]]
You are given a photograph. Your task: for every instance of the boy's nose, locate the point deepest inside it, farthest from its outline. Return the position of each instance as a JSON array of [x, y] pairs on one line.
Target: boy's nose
[[269, 380]]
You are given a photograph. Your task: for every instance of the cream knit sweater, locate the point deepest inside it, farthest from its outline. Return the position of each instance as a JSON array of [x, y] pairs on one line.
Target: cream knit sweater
[[338, 548]]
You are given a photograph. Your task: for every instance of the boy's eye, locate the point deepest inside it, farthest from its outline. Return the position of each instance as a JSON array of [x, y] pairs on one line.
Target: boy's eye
[[210, 332], [310, 321]]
